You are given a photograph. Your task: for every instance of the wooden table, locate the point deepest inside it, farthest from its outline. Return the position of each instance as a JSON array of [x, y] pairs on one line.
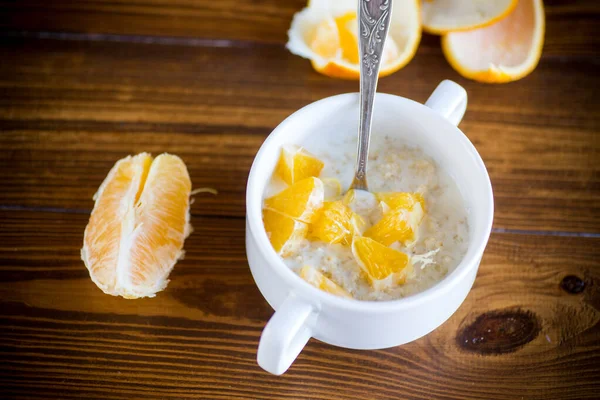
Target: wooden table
[[85, 83]]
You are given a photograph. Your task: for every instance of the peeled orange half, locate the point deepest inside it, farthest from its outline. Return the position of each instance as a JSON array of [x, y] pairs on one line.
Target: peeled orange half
[[326, 33], [503, 52], [443, 16], [138, 225]]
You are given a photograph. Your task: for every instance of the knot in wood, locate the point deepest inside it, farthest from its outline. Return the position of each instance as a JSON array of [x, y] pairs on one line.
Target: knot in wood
[[499, 332], [572, 284]]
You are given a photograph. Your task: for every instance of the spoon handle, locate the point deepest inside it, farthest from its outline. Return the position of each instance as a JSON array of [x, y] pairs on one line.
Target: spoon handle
[[373, 22]]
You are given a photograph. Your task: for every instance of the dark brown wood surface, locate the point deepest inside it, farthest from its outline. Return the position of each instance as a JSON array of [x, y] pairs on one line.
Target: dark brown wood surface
[[83, 84]]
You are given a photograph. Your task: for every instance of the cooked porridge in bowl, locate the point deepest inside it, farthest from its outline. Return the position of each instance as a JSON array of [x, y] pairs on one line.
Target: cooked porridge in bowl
[[402, 237]]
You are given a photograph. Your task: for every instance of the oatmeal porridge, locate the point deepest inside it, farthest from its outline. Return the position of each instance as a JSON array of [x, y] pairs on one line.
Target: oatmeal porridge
[[402, 237]]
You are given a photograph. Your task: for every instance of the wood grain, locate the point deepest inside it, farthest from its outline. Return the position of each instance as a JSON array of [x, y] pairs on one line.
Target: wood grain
[[62, 337], [571, 24], [85, 83], [70, 109]]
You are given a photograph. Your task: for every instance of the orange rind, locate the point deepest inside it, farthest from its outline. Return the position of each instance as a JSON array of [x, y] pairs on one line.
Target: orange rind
[[503, 52], [326, 33], [444, 16]]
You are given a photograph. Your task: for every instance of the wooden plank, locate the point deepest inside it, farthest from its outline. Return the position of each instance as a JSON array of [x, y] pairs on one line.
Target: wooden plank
[[266, 20], [49, 169], [256, 86], [69, 110], [518, 334], [570, 27]]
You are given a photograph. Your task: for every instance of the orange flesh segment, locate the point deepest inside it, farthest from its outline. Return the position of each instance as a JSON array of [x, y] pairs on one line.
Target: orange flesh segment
[[401, 199], [348, 40], [326, 41], [397, 225], [102, 235], [299, 201], [161, 221], [296, 164], [320, 281], [335, 222], [284, 233], [383, 266]]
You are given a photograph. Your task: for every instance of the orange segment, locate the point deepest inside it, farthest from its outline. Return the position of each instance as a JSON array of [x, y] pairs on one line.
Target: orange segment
[[138, 225], [401, 199], [296, 164], [444, 16], [320, 281], [384, 267], [162, 222], [346, 26], [299, 201], [503, 52], [284, 233], [326, 40], [335, 223], [397, 225]]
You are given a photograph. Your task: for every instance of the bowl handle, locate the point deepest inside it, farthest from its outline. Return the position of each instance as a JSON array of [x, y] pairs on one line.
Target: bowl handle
[[449, 99], [285, 335]]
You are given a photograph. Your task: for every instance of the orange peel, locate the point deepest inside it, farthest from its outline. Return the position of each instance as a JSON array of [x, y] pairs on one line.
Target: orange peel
[[503, 52], [326, 33], [444, 16]]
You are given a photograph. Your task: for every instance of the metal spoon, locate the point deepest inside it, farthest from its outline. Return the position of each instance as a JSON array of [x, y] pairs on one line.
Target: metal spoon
[[373, 23]]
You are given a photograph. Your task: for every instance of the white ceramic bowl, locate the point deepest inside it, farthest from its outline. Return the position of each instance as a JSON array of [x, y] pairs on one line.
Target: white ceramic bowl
[[302, 311]]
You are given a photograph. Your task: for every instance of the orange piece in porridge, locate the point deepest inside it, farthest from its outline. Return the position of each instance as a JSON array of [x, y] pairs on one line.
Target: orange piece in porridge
[[384, 267], [335, 222], [299, 201], [400, 223], [284, 233], [320, 281], [296, 164]]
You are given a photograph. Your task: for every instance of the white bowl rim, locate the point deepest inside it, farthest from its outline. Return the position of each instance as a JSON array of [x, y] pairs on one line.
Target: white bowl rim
[[276, 263]]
